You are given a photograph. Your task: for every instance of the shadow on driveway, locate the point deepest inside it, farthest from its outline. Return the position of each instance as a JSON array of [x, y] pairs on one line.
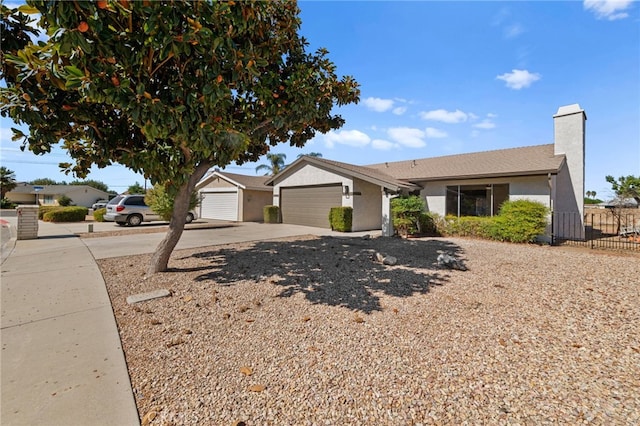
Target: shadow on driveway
[[333, 271]]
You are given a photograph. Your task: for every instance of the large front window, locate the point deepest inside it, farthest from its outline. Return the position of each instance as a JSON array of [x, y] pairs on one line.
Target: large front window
[[476, 200]]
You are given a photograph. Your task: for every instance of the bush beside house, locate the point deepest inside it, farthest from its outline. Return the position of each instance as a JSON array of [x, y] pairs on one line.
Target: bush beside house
[[519, 221], [271, 214], [65, 214], [341, 219]]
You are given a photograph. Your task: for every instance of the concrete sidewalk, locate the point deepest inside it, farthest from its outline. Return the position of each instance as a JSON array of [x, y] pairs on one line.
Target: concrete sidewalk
[[62, 361]]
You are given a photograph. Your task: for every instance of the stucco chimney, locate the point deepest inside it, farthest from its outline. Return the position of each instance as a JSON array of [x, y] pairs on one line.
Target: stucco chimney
[[569, 139]]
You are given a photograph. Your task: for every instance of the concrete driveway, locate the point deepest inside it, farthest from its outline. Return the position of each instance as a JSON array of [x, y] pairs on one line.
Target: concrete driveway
[[201, 234]]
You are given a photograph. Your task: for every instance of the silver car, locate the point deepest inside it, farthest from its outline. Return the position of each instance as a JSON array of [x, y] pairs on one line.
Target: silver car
[[131, 210]]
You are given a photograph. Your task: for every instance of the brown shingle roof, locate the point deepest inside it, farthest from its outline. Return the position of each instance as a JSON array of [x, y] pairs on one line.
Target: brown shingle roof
[[361, 172], [530, 160], [245, 181]]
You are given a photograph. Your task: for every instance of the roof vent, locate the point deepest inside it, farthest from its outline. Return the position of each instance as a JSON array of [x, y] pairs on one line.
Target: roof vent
[[386, 165], [413, 164]]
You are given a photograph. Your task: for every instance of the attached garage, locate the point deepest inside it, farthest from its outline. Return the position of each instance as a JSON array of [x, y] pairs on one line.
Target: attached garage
[[219, 205], [309, 205], [233, 197]]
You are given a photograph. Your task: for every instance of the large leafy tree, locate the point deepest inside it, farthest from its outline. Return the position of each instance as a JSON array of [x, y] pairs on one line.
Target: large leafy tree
[[7, 181], [46, 181], [626, 186], [275, 166], [171, 89], [92, 183]]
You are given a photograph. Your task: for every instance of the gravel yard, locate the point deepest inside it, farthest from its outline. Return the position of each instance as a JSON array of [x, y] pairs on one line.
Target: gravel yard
[[313, 331]]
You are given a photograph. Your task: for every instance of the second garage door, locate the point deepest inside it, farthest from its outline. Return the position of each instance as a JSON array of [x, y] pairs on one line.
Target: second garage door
[[309, 205], [219, 205]]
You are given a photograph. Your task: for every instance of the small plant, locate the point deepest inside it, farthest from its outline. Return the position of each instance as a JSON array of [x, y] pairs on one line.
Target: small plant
[[161, 203], [271, 214], [66, 214], [64, 201], [341, 219], [98, 215]]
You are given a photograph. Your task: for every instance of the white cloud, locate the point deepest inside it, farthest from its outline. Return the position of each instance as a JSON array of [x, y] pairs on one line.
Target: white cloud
[[354, 138], [433, 133], [409, 137], [444, 116], [608, 9], [378, 104], [513, 30], [519, 79], [475, 133], [492, 115], [485, 124], [382, 144], [399, 110]]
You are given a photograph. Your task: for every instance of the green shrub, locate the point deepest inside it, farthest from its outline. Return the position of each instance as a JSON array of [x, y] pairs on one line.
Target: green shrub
[[271, 214], [520, 221], [64, 201], [427, 224], [42, 210], [465, 226], [406, 212], [98, 215], [159, 200], [66, 214], [341, 219], [6, 204]]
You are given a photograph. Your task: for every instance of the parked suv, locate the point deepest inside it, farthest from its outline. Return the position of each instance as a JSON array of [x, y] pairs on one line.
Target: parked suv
[[131, 210]]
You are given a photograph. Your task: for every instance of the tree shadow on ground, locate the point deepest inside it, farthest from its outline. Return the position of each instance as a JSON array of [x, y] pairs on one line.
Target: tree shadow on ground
[[335, 271]]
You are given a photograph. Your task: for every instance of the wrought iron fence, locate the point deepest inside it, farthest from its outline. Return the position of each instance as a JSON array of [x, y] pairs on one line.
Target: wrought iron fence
[[606, 229]]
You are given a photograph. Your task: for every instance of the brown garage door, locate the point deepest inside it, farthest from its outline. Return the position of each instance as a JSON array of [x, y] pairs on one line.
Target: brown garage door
[[309, 205]]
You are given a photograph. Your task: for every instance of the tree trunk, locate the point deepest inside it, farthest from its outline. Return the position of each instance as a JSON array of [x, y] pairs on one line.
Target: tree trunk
[[160, 258]]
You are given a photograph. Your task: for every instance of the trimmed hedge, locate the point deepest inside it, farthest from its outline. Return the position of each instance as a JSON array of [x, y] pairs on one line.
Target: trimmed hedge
[[341, 219], [98, 215], [519, 221], [66, 214], [271, 214], [42, 210]]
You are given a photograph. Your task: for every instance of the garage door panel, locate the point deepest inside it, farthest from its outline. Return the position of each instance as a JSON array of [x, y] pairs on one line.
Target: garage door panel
[[220, 205], [309, 205]]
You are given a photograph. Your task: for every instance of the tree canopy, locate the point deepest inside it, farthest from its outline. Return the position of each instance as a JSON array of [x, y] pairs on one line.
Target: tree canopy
[[169, 89], [46, 181], [136, 188], [626, 187], [92, 183]]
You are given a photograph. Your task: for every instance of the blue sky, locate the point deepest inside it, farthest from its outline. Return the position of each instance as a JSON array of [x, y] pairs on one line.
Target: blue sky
[[441, 78]]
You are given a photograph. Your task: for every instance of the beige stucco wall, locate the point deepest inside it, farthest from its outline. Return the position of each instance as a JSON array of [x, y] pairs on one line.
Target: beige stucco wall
[[535, 188], [21, 198], [252, 204], [367, 206], [307, 175]]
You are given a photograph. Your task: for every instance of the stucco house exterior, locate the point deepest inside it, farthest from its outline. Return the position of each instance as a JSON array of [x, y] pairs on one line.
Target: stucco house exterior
[[47, 195], [233, 197], [466, 184]]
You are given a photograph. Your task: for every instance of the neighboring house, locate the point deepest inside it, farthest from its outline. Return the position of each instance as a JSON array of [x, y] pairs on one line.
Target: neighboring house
[[234, 197], [466, 184], [47, 195]]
